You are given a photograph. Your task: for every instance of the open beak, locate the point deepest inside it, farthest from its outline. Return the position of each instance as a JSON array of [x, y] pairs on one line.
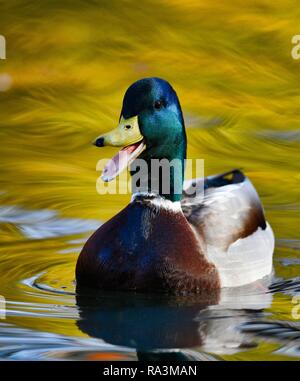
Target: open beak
[[126, 135]]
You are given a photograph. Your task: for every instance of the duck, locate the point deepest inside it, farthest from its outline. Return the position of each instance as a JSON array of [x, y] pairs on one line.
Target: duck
[[194, 236]]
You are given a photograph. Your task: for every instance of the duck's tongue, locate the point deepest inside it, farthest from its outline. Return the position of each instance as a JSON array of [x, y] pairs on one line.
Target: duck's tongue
[[122, 160]]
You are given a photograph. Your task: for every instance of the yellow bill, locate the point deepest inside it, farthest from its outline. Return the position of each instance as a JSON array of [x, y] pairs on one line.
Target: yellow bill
[[126, 135]]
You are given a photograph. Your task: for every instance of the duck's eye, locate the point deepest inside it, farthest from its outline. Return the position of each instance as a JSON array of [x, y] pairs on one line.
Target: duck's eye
[[127, 127], [158, 105]]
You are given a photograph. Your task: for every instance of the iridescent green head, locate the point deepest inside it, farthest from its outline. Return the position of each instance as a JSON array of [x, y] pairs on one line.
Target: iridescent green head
[[151, 127]]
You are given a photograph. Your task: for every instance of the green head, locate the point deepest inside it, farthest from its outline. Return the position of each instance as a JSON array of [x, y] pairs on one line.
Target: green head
[[151, 127]]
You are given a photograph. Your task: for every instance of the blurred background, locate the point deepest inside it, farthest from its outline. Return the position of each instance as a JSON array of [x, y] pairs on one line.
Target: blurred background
[[67, 68]]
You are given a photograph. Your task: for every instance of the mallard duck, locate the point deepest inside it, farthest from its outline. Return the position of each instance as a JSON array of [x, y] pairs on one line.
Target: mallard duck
[[171, 240]]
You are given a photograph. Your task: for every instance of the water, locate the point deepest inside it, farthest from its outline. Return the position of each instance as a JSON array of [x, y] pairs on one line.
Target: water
[[68, 65]]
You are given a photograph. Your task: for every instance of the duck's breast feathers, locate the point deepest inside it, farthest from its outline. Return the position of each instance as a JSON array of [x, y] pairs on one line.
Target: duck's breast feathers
[[147, 246], [227, 209]]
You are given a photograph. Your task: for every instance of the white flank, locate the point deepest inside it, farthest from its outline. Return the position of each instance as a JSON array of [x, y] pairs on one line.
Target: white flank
[[246, 260]]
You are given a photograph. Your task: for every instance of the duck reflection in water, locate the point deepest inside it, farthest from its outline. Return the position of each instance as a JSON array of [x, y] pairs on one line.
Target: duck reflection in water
[[169, 327]]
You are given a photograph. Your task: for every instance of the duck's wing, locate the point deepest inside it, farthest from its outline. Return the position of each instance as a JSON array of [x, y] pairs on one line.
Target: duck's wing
[[223, 207], [227, 214]]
